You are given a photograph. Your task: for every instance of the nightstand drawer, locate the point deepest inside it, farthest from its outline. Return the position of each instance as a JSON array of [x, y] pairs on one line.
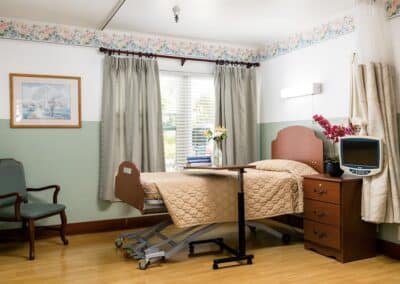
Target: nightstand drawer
[[324, 235], [322, 212], [322, 190]]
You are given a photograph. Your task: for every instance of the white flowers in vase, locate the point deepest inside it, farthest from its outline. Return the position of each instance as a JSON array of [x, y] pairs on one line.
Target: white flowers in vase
[[218, 135]]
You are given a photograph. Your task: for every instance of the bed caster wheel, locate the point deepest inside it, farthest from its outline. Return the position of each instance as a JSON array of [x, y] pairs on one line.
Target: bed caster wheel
[[215, 266], [118, 243], [143, 264], [286, 239]]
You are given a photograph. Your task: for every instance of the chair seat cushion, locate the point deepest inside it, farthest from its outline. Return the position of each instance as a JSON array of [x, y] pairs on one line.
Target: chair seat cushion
[[32, 210]]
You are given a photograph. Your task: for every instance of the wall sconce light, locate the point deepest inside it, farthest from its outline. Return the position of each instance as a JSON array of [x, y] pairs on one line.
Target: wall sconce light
[[308, 90]]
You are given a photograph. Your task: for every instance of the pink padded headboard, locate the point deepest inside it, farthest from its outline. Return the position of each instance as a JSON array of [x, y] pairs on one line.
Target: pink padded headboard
[[299, 143]]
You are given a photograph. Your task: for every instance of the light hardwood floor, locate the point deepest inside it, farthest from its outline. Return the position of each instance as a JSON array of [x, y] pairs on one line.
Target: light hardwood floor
[[92, 258]]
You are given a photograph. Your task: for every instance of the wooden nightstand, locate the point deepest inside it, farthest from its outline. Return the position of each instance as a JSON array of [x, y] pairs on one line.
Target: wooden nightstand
[[332, 218]]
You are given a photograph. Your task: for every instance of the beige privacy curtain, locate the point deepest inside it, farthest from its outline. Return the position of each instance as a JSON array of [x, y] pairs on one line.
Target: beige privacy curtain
[[236, 109], [131, 118], [373, 103]]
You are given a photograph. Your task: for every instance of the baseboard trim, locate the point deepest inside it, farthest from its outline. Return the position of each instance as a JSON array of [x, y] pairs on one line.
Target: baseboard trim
[[388, 248], [42, 232], [11, 235]]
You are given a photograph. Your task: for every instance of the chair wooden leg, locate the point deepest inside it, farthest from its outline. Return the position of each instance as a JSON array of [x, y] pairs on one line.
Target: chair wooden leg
[[25, 229], [63, 217], [31, 226]]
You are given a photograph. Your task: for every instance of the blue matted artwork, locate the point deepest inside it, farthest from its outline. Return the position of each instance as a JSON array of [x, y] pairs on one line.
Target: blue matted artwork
[[45, 101]]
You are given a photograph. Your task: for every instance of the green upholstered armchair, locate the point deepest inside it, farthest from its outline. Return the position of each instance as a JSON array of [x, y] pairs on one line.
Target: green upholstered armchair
[[14, 205]]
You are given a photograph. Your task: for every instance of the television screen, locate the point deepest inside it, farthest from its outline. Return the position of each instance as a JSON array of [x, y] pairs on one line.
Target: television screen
[[360, 152]]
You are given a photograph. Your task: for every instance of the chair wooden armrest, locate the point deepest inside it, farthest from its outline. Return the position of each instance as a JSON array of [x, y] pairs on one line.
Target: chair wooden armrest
[[56, 187], [17, 203]]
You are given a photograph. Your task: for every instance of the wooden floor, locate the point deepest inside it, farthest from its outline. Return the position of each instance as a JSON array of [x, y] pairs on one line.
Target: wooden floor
[[92, 258]]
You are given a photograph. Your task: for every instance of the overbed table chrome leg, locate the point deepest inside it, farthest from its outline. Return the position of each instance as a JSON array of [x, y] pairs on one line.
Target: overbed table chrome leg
[[239, 255]]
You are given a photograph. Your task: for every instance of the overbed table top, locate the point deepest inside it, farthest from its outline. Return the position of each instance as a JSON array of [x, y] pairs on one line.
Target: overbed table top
[[226, 167]]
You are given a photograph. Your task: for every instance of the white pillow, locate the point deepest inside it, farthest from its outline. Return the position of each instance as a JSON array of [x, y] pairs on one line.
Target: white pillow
[[278, 165]]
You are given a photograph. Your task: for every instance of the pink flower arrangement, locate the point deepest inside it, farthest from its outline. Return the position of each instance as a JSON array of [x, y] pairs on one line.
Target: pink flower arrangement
[[333, 132]]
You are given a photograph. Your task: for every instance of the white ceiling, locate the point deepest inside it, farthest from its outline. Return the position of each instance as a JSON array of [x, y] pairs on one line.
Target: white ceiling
[[247, 22]]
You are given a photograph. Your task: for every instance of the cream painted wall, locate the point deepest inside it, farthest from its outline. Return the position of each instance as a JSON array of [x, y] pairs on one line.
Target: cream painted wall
[[38, 58], [327, 63], [43, 58]]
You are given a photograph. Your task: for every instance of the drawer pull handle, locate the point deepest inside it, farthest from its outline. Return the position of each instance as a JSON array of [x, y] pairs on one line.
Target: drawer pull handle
[[320, 235], [320, 214], [320, 191]]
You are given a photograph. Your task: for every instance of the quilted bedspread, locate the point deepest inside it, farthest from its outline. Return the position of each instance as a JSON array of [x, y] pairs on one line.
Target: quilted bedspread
[[197, 197]]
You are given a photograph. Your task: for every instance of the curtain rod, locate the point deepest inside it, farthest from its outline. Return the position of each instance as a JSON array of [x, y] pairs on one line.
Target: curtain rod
[[182, 59]]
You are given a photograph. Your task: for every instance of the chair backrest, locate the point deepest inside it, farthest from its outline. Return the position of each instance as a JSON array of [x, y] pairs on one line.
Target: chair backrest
[[12, 179]]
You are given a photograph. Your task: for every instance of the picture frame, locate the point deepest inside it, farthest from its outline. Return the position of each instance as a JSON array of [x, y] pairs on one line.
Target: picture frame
[[45, 101]]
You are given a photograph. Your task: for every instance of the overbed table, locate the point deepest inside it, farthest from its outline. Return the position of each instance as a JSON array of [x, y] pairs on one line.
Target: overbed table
[[239, 254]]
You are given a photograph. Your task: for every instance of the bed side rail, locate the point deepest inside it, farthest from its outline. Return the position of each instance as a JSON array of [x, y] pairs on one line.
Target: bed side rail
[[128, 187]]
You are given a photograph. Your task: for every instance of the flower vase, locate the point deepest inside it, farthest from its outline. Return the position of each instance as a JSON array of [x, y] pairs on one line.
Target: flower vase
[[217, 154], [332, 168], [332, 165]]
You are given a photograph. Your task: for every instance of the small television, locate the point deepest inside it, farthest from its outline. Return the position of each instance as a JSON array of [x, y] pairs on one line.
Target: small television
[[360, 155]]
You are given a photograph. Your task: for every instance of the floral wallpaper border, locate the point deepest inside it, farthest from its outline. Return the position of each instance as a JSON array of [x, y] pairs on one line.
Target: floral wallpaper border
[[61, 34], [68, 35], [393, 8], [319, 34]]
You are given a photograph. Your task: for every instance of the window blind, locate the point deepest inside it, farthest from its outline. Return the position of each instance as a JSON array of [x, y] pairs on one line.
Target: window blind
[[188, 109]]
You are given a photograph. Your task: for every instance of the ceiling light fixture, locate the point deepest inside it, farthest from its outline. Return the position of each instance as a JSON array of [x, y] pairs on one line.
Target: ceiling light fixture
[[176, 10]]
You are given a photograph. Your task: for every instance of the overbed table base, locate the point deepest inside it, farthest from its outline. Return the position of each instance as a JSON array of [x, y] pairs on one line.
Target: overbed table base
[[237, 256]]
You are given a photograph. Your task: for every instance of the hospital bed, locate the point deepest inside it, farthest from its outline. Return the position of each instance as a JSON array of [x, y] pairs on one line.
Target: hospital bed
[[156, 193]]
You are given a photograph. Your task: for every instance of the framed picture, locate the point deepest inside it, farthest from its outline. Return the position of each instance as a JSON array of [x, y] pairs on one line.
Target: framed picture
[[44, 101]]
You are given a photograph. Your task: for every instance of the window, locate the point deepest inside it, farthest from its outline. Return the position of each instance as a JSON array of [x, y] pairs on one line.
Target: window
[[188, 104]]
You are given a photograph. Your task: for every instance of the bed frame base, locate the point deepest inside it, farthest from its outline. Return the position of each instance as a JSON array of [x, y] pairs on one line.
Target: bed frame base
[[138, 245], [141, 239], [176, 243], [147, 253]]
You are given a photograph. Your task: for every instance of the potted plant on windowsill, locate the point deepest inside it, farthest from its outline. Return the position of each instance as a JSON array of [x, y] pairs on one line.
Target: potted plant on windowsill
[[332, 133]]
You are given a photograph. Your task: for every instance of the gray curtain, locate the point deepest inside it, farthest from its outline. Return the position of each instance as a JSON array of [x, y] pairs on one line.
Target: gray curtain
[[131, 125], [373, 104], [236, 109]]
